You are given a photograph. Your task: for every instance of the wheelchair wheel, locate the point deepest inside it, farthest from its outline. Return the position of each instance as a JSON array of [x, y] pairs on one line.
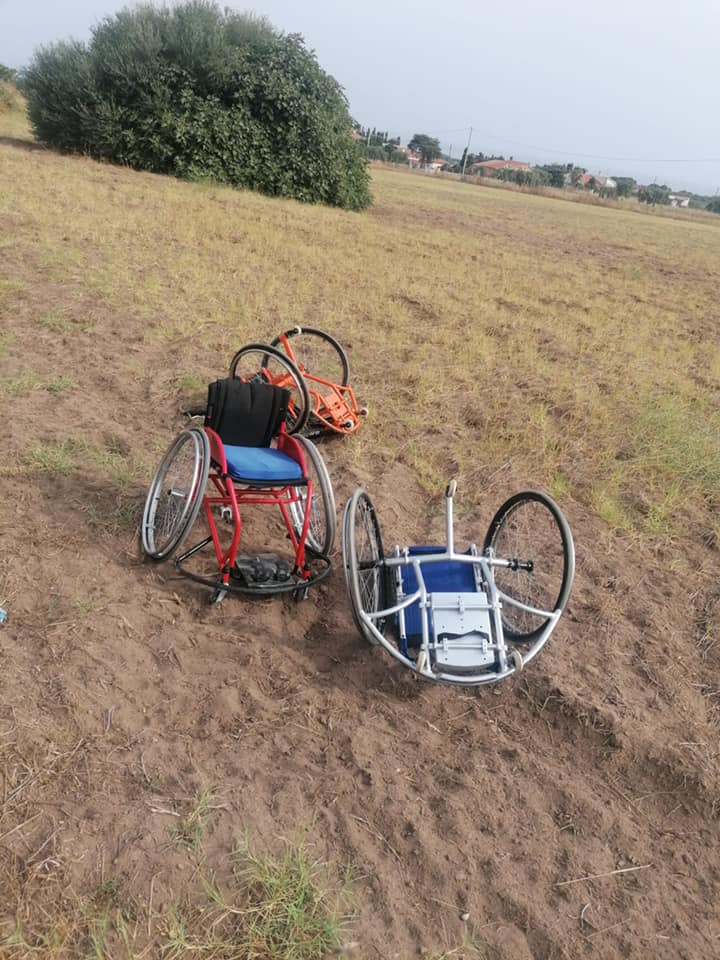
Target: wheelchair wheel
[[263, 362], [175, 494], [531, 529], [362, 558], [316, 354], [321, 528]]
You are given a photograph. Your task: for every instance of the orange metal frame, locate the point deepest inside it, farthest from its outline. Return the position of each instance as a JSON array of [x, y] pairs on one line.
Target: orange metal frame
[[333, 404]]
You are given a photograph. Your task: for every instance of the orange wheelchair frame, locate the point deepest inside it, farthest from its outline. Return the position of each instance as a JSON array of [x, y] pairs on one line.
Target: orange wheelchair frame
[[323, 403]]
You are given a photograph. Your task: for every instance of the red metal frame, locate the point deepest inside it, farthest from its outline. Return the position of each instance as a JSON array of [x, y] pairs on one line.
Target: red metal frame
[[229, 493]]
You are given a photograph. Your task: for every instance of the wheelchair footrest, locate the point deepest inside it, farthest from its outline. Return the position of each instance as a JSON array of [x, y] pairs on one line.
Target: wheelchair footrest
[[261, 569], [462, 632]]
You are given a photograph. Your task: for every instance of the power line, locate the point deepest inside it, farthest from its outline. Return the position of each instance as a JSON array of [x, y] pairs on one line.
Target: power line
[[578, 153], [599, 156]]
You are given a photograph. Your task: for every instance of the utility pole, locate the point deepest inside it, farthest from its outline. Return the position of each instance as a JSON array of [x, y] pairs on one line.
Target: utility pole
[[467, 150], [450, 157]]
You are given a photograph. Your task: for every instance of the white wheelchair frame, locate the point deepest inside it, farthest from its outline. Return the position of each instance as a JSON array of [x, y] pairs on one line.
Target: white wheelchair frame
[[479, 652]]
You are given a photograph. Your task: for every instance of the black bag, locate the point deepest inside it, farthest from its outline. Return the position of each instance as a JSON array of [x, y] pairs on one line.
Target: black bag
[[246, 413]]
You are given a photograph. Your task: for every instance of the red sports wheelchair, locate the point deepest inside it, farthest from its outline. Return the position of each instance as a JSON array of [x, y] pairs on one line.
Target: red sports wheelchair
[[314, 366], [247, 453]]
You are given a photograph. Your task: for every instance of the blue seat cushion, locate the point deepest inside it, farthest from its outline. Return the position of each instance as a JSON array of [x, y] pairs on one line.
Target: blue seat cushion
[[445, 576], [261, 465]]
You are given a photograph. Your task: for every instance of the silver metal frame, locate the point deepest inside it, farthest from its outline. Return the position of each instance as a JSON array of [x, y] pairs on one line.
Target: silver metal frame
[[323, 498], [510, 659], [191, 508]]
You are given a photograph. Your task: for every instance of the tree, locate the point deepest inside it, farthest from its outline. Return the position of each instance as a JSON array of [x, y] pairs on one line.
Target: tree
[[428, 147], [524, 178], [626, 186], [714, 205], [555, 173], [201, 93], [654, 193]]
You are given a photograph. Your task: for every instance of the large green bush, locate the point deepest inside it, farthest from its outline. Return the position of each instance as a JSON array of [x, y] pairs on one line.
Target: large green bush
[[200, 93]]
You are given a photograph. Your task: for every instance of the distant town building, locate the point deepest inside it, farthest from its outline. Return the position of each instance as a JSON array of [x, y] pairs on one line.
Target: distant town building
[[597, 181], [488, 168]]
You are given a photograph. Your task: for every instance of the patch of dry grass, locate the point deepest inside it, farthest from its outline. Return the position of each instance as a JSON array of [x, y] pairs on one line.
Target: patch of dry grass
[[626, 204], [285, 906], [537, 333]]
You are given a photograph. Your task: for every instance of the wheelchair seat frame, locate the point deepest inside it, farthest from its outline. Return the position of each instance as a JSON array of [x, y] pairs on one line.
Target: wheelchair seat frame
[[441, 612], [195, 472]]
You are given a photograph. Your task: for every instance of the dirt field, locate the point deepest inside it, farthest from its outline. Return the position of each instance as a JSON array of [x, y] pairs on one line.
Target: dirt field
[[507, 340]]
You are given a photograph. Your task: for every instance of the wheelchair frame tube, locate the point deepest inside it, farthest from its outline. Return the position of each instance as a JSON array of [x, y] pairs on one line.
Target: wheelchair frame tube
[[494, 605]]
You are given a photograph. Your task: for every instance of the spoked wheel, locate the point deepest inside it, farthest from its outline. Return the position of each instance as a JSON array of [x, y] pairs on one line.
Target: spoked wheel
[[260, 361], [175, 494], [362, 557], [321, 528], [530, 530], [316, 354]]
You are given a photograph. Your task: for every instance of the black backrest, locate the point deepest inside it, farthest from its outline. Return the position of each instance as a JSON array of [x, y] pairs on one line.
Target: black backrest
[[246, 413]]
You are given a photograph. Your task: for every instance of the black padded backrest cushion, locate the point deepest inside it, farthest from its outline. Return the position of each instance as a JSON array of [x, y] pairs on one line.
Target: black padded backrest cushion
[[246, 413]]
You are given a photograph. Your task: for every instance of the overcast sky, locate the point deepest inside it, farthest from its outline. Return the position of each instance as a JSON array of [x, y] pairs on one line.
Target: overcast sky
[[618, 86]]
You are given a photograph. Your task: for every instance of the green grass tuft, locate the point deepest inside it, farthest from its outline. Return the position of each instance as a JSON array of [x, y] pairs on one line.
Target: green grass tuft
[[55, 458], [61, 383], [291, 916], [20, 383], [191, 829], [679, 444]]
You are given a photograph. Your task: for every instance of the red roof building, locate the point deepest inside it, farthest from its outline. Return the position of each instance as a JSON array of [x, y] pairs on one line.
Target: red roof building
[[487, 168]]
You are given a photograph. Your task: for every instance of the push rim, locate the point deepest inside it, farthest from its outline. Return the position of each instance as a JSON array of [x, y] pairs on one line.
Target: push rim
[[260, 361], [530, 528], [322, 524], [175, 494], [362, 557], [316, 354]]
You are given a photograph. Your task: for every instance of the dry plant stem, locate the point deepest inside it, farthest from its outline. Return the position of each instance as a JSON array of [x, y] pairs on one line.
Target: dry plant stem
[[598, 876], [43, 770]]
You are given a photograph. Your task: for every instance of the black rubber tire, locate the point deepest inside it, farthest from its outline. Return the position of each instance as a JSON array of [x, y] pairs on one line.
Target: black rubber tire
[[313, 332], [297, 418], [161, 548], [360, 514], [547, 586]]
